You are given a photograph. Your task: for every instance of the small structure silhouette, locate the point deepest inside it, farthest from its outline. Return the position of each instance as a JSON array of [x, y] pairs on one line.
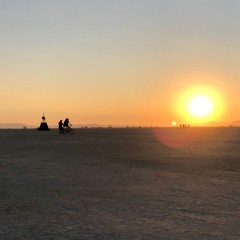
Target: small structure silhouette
[[43, 125]]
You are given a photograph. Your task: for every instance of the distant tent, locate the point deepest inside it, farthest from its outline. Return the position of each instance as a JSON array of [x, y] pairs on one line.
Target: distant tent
[[43, 125]]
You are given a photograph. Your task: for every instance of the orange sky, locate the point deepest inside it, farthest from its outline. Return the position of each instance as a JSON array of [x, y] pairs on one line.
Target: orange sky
[[118, 63]]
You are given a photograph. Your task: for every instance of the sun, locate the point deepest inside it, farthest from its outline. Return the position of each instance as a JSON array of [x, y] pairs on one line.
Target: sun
[[200, 106]]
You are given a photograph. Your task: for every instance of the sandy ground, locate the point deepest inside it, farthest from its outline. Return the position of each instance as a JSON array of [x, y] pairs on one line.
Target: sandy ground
[[120, 184]]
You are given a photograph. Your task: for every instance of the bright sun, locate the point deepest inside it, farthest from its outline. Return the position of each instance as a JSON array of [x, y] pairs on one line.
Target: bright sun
[[200, 106]]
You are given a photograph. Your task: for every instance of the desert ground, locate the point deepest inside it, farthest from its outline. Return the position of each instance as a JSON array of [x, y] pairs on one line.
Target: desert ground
[[162, 183]]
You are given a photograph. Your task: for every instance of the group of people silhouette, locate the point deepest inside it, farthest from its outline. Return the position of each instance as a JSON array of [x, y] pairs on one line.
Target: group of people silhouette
[[184, 125], [66, 124]]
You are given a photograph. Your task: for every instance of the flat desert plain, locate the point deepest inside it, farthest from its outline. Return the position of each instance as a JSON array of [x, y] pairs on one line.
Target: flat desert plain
[[163, 183]]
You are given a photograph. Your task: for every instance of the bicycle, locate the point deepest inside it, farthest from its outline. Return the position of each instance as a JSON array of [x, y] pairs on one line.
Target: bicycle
[[67, 130]]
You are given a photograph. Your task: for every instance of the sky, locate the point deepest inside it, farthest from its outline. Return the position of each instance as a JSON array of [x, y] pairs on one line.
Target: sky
[[118, 62]]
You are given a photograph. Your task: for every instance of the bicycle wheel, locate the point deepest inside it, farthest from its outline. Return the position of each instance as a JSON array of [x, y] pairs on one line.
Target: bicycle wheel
[[71, 131], [65, 131]]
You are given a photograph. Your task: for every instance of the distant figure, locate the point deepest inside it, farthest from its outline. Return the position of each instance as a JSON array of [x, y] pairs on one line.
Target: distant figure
[[60, 126], [66, 123], [43, 118], [67, 127]]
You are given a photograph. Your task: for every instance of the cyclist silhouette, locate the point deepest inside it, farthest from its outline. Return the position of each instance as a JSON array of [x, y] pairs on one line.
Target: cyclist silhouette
[[66, 123], [67, 127]]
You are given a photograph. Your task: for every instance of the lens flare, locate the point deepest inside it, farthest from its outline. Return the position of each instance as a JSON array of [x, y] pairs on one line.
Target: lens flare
[[177, 137]]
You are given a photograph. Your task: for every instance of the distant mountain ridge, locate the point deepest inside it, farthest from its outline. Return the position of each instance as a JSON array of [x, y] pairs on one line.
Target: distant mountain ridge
[[236, 123], [218, 124], [15, 126], [95, 125]]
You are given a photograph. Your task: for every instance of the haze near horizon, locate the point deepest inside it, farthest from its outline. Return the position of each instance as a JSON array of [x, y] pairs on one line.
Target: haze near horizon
[[127, 63]]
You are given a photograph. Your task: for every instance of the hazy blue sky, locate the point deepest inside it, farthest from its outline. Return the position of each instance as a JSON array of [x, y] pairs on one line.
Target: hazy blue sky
[[117, 62]]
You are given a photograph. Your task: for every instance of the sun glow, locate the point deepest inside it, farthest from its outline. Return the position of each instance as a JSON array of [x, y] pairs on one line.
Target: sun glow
[[200, 106]]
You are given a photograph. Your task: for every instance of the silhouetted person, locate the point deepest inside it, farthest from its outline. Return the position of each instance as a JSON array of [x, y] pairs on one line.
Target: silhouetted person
[[66, 123], [43, 118], [60, 126]]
